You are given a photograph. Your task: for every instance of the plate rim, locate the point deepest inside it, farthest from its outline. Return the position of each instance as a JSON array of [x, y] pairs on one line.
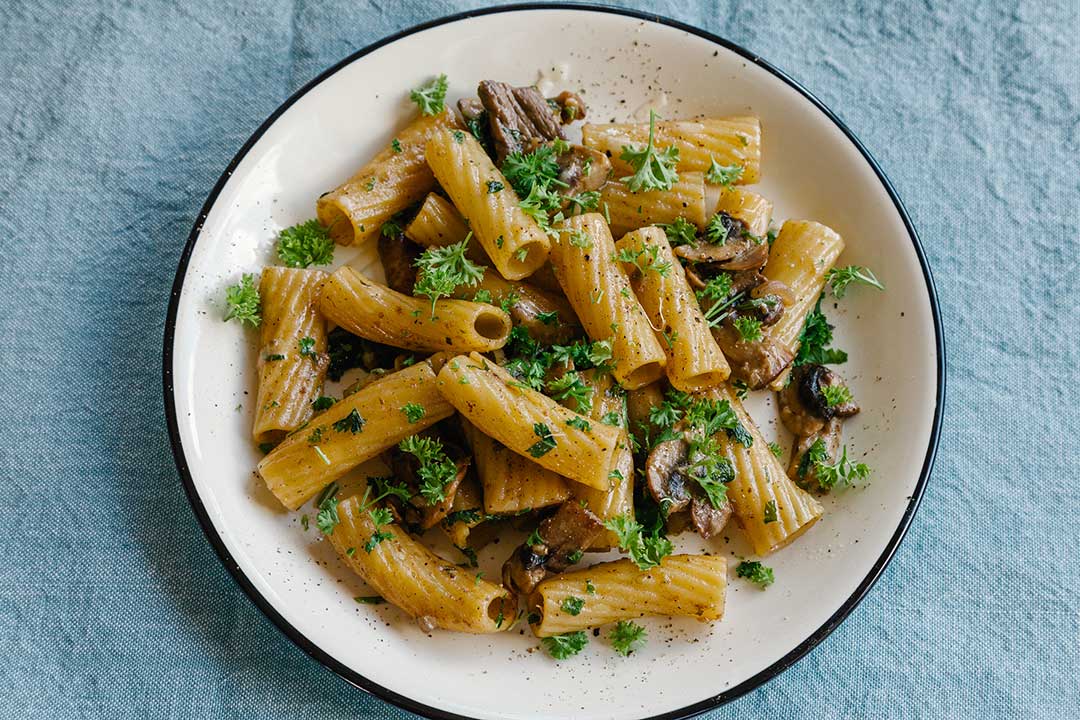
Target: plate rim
[[357, 679]]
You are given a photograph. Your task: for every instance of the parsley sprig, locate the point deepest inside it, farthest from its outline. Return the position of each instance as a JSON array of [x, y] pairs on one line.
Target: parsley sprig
[[755, 572], [626, 637], [308, 243], [566, 645], [646, 258], [653, 169], [243, 301], [646, 549], [431, 98], [816, 335], [436, 470], [680, 232], [840, 278], [443, 269], [726, 175]]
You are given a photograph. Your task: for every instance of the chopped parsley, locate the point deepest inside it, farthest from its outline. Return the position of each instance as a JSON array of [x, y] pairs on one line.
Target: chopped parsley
[[566, 645], [571, 387], [443, 269], [843, 471], [575, 557], [769, 512], [380, 517], [572, 605], [414, 412], [726, 175], [243, 301], [352, 423], [584, 201], [369, 599], [431, 98], [645, 258], [816, 334], [548, 318], [483, 296], [755, 572], [589, 587], [680, 232], [646, 550], [836, 395], [327, 518], [749, 328], [545, 444], [579, 424], [718, 229], [395, 144], [579, 239], [307, 347], [308, 243], [653, 169], [741, 389], [775, 449], [840, 278], [494, 186], [436, 471], [626, 637]]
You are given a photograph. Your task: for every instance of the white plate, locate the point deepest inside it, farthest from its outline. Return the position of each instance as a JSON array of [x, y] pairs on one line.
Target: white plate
[[813, 168]]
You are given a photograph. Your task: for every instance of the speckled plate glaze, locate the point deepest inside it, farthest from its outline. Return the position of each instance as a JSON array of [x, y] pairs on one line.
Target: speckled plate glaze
[[623, 63]]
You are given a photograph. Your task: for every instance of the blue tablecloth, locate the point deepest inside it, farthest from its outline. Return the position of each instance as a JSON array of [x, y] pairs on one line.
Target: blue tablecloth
[[118, 117]]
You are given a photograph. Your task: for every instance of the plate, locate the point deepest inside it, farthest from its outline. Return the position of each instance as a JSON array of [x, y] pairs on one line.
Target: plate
[[622, 63]]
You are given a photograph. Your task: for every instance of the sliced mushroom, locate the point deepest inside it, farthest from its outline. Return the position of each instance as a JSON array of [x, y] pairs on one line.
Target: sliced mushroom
[[756, 363], [569, 531], [583, 169], [519, 118], [709, 521], [665, 474], [398, 254], [804, 407], [571, 107], [799, 469]]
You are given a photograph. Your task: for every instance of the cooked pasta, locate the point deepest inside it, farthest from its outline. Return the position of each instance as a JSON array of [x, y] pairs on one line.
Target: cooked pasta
[[509, 236], [374, 311], [728, 141], [512, 483], [529, 423], [436, 592], [355, 429], [438, 223], [682, 585], [394, 179], [694, 360], [599, 291], [753, 209], [292, 353], [628, 210]]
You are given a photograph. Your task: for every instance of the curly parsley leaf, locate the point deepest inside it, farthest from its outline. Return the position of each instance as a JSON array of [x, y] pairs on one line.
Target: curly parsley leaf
[[726, 175], [571, 387], [436, 470], [431, 98], [816, 335], [443, 269], [653, 169], [840, 278], [566, 645], [572, 605], [680, 232], [646, 550], [756, 573], [626, 637], [352, 423], [414, 412], [327, 518], [749, 328], [308, 243], [243, 301], [545, 444], [646, 258]]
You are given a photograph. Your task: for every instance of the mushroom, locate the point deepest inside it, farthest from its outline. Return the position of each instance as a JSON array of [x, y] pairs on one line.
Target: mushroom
[[738, 250], [582, 169], [398, 254], [517, 116], [757, 362], [569, 531], [670, 483], [571, 106]]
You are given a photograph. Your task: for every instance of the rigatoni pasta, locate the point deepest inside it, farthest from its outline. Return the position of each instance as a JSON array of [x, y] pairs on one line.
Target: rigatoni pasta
[[627, 210], [292, 354], [512, 483], [753, 209]]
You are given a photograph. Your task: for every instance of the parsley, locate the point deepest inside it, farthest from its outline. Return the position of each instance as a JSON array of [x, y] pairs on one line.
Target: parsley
[[273, 357], [396, 145], [616, 475], [548, 318], [351, 423], [385, 487], [716, 292], [436, 469], [308, 243], [711, 416], [322, 403], [494, 186], [776, 450], [584, 201], [680, 232], [589, 587], [526, 171], [718, 229], [769, 512], [726, 175], [509, 301], [749, 328], [571, 387], [307, 347], [814, 456], [243, 301], [840, 278], [842, 472], [483, 296], [755, 572], [816, 334], [534, 538], [459, 137], [369, 599], [613, 418], [836, 395], [381, 517], [575, 557], [443, 269], [327, 518], [578, 238], [545, 444], [431, 98], [414, 412], [646, 550], [566, 645], [654, 170], [304, 522], [390, 229], [741, 389], [579, 424], [316, 436], [572, 605], [626, 637], [645, 258]]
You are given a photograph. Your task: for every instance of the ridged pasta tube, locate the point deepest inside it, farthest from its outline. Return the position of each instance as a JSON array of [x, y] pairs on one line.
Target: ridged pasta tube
[[754, 210], [529, 423], [409, 575], [694, 360], [390, 182], [628, 211], [375, 312], [512, 482], [355, 429], [599, 291], [682, 585], [509, 236], [292, 357], [438, 223]]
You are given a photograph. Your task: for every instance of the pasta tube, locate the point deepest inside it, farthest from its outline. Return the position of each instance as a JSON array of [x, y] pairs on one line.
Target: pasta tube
[[682, 585], [392, 181], [407, 574], [628, 211], [512, 483], [729, 141], [760, 479], [529, 423], [804, 251], [292, 357], [754, 210], [438, 224], [694, 360], [599, 291], [509, 236], [375, 312], [342, 437], [548, 316]]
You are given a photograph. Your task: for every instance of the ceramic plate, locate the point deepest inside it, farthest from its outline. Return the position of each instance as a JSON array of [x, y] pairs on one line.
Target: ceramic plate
[[622, 63]]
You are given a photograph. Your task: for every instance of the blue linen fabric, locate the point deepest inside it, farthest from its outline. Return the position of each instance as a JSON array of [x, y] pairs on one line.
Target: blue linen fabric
[[119, 116]]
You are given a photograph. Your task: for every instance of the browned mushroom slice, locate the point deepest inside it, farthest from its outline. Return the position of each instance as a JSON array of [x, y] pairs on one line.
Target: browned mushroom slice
[[470, 108], [398, 254], [709, 521], [418, 512], [807, 401], [518, 117], [801, 469], [583, 169], [571, 106], [665, 474], [564, 536], [756, 363]]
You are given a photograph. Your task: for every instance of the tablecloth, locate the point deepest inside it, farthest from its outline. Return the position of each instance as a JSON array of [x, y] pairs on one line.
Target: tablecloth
[[118, 117]]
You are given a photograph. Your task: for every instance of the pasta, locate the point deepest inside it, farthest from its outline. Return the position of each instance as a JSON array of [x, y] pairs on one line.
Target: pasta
[[355, 429], [694, 360], [599, 291], [802, 254], [355, 211], [403, 571], [292, 356], [682, 585], [529, 423], [509, 236], [628, 210], [728, 141], [376, 312], [525, 382]]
